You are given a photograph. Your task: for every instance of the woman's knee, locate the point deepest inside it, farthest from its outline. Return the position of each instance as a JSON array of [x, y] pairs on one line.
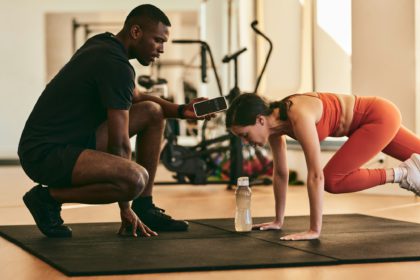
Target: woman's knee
[[332, 183], [332, 188]]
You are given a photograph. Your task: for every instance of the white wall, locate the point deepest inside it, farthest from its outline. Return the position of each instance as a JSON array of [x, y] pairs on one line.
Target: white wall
[[332, 46], [306, 57], [384, 53], [215, 35], [384, 61], [23, 58], [282, 22], [22, 68], [417, 55]]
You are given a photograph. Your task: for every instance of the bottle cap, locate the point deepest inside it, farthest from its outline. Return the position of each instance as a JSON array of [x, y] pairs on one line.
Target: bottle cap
[[243, 181]]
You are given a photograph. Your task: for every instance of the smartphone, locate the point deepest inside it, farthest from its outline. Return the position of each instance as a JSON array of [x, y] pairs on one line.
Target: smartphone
[[210, 106]]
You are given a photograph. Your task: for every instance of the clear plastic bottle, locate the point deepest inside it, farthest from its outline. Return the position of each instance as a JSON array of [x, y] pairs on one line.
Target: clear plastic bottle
[[243, 218]]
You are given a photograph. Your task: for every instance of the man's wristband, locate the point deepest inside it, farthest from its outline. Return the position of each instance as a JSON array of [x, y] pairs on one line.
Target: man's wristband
[[181, 111]]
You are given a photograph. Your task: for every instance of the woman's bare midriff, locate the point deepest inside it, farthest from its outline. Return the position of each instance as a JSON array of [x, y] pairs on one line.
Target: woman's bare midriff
[[347, 107]]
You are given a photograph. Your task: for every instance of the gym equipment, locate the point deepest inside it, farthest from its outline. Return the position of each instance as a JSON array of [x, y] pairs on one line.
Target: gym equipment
[[191, 164], [187, 162], [214, 245]]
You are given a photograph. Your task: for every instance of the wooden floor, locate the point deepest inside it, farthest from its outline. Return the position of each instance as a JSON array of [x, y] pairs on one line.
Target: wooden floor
[[211, 201]]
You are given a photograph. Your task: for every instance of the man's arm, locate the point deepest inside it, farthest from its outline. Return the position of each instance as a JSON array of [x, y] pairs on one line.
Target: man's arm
[[118, 138], [170, 110], [119, 145]]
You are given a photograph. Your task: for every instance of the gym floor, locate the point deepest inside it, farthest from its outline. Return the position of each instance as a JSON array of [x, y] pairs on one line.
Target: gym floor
[[211, 201]]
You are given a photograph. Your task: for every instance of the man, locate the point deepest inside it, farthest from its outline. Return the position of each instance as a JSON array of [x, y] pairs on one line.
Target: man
[[76, 140]]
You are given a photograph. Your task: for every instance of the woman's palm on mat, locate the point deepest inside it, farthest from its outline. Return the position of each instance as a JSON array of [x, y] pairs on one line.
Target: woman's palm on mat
[[267, 226], [306, 235]]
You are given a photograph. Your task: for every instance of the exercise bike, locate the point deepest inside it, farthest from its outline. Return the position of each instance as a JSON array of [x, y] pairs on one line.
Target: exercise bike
[[194, 164]]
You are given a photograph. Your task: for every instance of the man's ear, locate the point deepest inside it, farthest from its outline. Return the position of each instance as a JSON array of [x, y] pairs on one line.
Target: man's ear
[[136, 32], [260, 120]]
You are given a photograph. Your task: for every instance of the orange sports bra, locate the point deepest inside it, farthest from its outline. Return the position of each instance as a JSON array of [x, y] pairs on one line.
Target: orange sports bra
[[331, 113]]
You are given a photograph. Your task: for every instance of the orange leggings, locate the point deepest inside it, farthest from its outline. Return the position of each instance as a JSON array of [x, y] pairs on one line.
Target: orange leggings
[[376, 127]]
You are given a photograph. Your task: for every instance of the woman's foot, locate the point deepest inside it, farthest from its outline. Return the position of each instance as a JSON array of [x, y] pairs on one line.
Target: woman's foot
[[412, 181]]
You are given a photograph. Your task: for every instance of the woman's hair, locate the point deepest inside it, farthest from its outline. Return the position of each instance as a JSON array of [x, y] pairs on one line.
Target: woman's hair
[[245, 108]]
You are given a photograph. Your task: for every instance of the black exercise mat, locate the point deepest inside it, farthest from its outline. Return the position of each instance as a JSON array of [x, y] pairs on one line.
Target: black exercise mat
[[351, 238], [95, 249]]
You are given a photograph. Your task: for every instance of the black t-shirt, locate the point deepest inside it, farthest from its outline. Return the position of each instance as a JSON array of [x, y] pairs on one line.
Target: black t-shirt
[[75, 102]]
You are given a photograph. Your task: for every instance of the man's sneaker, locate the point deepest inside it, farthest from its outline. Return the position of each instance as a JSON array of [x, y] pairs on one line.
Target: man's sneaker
[[46, 212], [156, 219], [412, 181]]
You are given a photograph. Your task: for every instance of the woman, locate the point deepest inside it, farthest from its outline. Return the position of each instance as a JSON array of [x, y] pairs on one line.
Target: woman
[[372, 124]]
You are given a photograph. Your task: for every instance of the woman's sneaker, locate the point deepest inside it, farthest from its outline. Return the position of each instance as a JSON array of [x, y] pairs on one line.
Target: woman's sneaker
[[46, 212], [412, 181]]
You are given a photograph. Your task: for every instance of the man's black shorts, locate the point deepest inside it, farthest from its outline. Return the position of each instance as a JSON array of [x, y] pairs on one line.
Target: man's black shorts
[[55, 168], [52, 164]]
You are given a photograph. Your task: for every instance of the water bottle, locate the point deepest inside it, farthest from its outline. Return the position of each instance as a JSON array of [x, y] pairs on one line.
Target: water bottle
[[243, 219]]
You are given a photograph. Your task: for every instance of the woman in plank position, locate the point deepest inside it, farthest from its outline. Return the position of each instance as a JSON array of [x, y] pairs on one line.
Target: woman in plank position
[[372, 124]]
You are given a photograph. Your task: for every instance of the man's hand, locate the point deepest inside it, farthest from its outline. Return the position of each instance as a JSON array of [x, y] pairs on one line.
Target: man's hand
[[130, 220], [189, 110], [267, 226], [307, 235]]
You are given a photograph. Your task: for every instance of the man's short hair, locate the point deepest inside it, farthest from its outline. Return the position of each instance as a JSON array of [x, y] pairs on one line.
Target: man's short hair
[[149, 12]]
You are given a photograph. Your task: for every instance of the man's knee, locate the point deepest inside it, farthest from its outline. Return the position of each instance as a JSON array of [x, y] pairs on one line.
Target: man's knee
[[135, 182], [153, 110]]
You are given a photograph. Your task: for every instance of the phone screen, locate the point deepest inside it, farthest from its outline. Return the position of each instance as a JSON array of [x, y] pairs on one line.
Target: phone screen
[[210, 106]]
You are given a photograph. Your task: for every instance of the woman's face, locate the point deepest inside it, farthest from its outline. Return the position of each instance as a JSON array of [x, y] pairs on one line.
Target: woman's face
[[254, 135]]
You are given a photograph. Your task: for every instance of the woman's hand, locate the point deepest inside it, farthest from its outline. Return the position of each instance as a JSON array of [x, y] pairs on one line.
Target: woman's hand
[[306, 235], [267, 226]]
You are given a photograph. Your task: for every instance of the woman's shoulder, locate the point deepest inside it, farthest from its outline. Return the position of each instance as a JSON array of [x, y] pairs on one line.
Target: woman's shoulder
[[299, 94], [307, 108]]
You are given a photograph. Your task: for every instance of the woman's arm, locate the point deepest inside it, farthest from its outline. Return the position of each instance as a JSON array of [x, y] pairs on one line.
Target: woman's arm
[[304, 129], [280, 175], [280, 181]]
